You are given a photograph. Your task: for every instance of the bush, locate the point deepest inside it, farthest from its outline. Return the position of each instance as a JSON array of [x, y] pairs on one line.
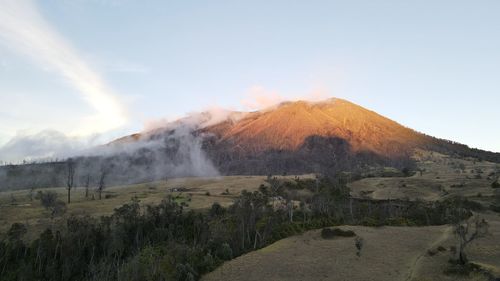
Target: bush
[[16, 231], [48, 199], [329, 233], [495, 208], [431, 253], [495, 184], [224, 252], [455, 268], [441, 249]]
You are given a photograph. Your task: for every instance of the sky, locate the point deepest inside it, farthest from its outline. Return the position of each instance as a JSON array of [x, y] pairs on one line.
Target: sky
[[88, 71]]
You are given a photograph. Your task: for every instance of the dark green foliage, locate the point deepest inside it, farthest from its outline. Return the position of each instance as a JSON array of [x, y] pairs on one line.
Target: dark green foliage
[[166, 242], [216, 210], [495, 184], [329, 233], [224, 252], [407, 172], [495, 208], [16, 232]]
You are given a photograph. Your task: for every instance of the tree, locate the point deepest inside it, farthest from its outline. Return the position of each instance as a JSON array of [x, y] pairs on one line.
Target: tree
[[70, 177], [31, 194], [101, 185], [47, 199], [87, 186], [468, 231], [50, 202], [16, 232], [358, 242]]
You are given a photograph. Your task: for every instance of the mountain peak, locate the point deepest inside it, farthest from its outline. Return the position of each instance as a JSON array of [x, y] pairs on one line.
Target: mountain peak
[[287, 126]]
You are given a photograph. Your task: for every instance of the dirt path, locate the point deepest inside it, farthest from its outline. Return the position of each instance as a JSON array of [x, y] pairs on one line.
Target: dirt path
[[447, 232]]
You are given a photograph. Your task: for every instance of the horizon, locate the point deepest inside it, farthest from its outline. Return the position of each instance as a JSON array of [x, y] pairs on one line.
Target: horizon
[[100, 70]]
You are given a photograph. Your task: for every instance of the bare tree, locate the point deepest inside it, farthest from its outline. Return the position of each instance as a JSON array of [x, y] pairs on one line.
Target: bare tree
[[31, 194], [71, 175], [468, 231], [289, 206], [87, 186], [101, 185]]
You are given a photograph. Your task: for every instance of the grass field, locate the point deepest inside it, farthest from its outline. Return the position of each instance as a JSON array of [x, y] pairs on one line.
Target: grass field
[[442, 176], [15, 206], [389, 253]]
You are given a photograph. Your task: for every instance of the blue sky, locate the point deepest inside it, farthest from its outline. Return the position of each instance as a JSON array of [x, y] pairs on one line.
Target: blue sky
[[87, 67]]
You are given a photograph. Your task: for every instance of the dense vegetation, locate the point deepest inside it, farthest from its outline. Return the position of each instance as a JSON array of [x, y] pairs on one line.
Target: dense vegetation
[[166, 242]]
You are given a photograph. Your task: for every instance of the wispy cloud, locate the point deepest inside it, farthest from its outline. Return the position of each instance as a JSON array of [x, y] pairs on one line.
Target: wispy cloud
[[258, 97], [24, 29]]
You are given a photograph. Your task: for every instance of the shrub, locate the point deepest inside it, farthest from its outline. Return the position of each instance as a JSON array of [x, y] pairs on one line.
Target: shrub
[[441, 249], [455, 268], [16, 231], [329, 233], [224, 252], [48, 199], [495, 184], [369, 221], [495, 208]]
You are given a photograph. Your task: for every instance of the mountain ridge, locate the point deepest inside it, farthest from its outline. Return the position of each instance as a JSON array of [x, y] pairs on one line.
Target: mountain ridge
[[299, 137]]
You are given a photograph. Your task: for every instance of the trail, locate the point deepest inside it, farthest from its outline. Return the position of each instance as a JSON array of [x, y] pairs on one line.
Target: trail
[[445, 236]]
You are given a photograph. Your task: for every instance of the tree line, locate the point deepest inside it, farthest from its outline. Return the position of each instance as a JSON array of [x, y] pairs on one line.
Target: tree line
[[169, 242]]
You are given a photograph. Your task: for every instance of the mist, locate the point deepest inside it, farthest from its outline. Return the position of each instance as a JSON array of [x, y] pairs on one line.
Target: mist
[[163, 149]]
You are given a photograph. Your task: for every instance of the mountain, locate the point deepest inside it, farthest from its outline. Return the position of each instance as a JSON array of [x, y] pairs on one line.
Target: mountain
[[302, 137], [288, 126], [290, 138]]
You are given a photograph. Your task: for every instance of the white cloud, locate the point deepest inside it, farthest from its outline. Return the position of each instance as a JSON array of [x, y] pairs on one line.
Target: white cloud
[[258, 97], [43, 145], [23, 28]]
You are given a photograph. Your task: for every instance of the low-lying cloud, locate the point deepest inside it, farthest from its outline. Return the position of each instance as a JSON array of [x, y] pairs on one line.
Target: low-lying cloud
[[42, 146]]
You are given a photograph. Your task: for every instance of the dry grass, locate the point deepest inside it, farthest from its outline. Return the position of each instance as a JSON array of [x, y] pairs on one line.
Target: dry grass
[[37, 218], [440, 178], [389, 253]]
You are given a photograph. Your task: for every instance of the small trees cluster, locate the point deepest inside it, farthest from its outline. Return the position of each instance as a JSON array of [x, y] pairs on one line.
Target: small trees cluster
[[50, 202]]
